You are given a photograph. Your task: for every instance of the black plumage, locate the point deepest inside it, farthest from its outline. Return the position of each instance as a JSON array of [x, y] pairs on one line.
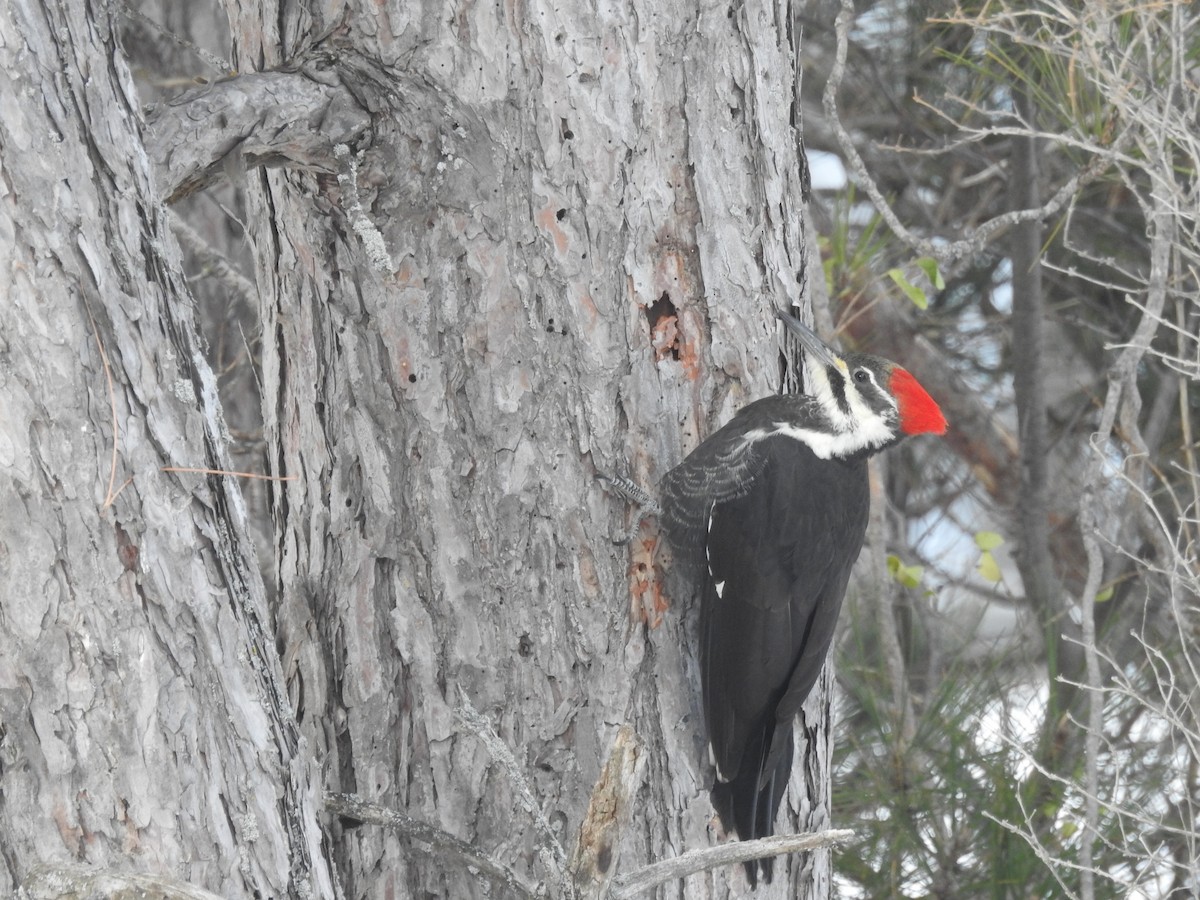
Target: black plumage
[[769, 515], [782, 577], [782, 574]]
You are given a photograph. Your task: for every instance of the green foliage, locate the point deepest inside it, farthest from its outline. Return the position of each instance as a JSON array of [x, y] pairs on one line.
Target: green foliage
[[850, 252], [908, 576], [911, 291], [917, 295], [1111, 95], [922, 809], [988, 568], [1046, 67], [966, 770], [929, 266]]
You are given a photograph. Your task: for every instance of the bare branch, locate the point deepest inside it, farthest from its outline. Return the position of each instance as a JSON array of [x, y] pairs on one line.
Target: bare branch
[[430, 839], [945, 253], [695, 861], [264, 118], [552, 852], [217, 265], [52, 882], [1122, 386]]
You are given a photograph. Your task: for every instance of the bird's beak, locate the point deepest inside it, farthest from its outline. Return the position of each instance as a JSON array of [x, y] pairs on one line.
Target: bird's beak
[[811, 343]]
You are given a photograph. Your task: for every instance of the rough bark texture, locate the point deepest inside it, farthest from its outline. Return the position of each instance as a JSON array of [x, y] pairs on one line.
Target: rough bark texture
[[143, 721], [589, 218], [550, 245]]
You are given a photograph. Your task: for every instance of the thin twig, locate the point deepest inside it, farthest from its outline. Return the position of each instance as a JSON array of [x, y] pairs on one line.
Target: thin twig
[[551, 851], [229, 277], [1122, 387], [647, 877], [436, 842], [200, 471], [945, 253], [223, 66]]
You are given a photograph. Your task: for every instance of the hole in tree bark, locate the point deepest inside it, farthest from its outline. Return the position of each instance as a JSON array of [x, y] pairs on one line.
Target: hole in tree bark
[[664, 327]]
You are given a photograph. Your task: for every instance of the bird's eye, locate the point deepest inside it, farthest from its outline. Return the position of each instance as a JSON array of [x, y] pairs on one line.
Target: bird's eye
[[862, 376]]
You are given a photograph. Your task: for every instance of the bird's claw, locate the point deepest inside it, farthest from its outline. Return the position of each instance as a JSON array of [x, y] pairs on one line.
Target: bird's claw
[[644, 503]]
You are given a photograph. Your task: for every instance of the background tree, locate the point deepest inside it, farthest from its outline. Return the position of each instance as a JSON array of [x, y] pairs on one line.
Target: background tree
[[1058, 772], [489, 252]]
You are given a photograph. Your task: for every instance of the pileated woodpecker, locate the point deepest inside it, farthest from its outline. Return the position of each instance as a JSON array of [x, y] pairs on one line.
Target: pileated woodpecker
[[777, 500]]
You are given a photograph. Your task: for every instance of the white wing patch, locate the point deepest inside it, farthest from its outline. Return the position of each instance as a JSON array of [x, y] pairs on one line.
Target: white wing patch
[[720, 586], [712, 758], [712, 511]]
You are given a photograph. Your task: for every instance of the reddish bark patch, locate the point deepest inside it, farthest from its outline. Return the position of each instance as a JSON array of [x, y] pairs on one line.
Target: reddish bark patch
[[547, 220], [648, 602]]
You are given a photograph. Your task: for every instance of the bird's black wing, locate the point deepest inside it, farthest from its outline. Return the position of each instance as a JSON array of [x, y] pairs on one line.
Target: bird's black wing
[[722, 468], [778, 555]]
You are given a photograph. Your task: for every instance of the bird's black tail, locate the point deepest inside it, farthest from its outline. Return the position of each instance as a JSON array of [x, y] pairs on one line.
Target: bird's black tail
[[750, 801]]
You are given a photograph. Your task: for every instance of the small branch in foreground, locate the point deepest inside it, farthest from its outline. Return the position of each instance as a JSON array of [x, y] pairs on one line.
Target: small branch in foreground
[[435, 841], [647, 877], [51, 882], [200, 471], [551, 851]]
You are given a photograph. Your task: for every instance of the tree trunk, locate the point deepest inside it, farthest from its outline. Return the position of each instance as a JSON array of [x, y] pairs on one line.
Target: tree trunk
[[143, 722], [587, 223], [497, 253]]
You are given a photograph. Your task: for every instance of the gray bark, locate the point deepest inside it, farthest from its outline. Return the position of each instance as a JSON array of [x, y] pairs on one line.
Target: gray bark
[[495, 254], [143, 721], [542, 184]]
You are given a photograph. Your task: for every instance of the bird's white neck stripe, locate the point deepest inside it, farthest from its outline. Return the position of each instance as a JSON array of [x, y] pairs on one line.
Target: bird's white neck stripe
[[874, 432]]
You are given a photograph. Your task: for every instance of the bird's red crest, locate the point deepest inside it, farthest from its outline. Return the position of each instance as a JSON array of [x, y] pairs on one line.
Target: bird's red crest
[[919, 413]]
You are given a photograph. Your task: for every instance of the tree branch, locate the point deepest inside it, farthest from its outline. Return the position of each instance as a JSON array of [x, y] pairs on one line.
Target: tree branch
[[945, 252], [1122, 386], [647, 877], [264, 118], [429, 839], [552, 851]]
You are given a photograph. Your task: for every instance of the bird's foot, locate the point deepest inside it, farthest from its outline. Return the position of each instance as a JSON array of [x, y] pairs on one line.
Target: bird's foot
[[643, 501]]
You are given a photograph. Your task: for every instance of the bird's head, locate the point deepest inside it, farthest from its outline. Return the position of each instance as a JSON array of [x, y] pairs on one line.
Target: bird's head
[[868, 403]]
